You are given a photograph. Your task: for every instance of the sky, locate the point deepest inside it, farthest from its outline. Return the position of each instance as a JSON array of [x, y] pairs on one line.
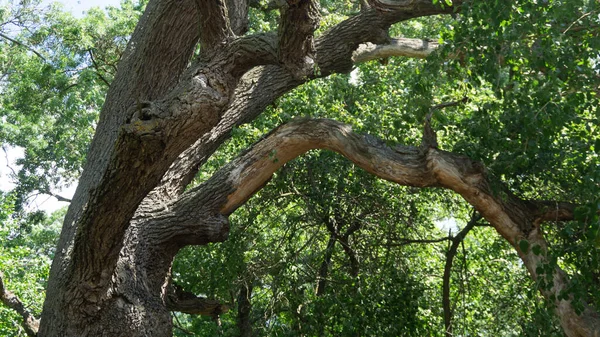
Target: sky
[[8, 155], [78, 7]]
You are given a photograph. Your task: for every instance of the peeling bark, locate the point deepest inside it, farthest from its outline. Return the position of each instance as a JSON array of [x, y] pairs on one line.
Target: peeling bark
[[396, 47]]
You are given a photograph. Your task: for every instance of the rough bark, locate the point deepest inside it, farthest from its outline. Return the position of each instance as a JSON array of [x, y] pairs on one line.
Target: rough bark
[[158, 106], [161, 47], [296, 41], [166, 113]]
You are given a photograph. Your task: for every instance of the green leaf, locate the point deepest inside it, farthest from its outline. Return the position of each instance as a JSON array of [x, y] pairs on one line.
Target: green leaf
[[524, 246]]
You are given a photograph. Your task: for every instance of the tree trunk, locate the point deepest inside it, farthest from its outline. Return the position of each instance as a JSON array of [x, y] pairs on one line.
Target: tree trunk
[[166, 113], [244, 310]]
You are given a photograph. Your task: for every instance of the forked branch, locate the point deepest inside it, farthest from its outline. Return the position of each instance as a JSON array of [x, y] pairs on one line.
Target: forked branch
[[448, 270]]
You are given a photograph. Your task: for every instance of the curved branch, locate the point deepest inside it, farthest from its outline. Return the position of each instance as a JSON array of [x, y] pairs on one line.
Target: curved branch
[[250, 51], [405, 166], [30, 323], [24, 46], [512, 217]]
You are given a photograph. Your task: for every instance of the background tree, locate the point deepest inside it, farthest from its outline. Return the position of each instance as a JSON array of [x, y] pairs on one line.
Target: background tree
[[325, 249]]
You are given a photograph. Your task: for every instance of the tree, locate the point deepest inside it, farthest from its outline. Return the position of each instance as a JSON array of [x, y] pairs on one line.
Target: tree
[[191, 73]]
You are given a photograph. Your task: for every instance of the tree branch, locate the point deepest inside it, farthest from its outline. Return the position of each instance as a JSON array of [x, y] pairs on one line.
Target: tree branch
[[98, 68], [553, 211], [251, 171], [215, 29], [449, 104], [248, 52], [448, 269], [233, 185], [416, 48], [393, 5], [30, 323], [24, 46], [238, 16], [261, 86], [324, 268], [403, 242], [298, 22], [186, 302]]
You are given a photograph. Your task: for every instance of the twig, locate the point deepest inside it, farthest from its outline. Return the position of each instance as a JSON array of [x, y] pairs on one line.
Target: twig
[[8, 161], [24, 46], [581, 17], [449, 104], [410, 241], [97, 68], [180, 328]]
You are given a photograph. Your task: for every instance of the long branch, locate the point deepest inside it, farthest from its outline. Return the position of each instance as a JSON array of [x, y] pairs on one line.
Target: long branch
[[30, 323], [448, 269], [513, 218], [24, 46]]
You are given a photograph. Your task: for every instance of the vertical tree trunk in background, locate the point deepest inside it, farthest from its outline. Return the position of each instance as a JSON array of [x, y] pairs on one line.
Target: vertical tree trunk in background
[[244, 310]]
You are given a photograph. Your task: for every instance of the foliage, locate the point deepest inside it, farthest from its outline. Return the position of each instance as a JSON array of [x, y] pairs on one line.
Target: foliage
[[28, 245], [51, 97]]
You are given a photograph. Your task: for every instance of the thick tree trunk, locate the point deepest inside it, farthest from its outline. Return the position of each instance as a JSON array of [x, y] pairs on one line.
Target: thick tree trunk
[[102, 281], [166, 113], [79, 297]]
